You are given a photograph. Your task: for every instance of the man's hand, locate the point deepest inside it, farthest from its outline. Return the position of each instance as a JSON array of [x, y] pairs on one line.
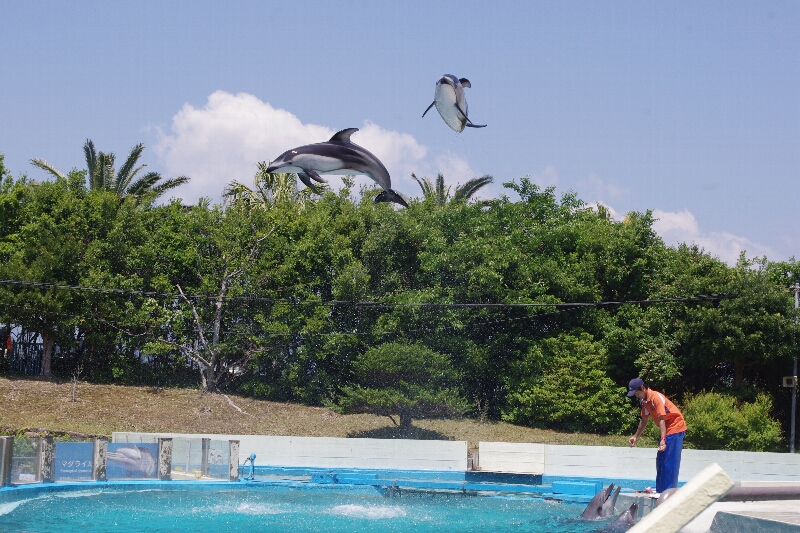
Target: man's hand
[[662, 445], [632, 441]]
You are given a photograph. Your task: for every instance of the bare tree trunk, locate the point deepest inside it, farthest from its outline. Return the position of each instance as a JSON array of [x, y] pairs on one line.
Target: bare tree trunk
[[47, 354], [405, 423], [738, 372]]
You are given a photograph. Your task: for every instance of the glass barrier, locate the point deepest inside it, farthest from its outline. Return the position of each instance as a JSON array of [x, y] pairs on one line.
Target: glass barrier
[[187, 458], [132, 461], [25, 461], [219, 455], [73, 461]]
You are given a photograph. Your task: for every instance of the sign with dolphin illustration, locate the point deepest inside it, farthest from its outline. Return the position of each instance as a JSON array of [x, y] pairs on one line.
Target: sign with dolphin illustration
[[131, 460], [451, 103], [332, 157]]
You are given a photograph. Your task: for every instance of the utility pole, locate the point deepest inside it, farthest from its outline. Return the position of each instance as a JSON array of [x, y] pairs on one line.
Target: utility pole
[[794, 372]]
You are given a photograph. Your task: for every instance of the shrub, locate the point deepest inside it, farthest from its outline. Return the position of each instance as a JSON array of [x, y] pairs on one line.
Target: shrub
[[719, 421], [411, 381], [561, 383]]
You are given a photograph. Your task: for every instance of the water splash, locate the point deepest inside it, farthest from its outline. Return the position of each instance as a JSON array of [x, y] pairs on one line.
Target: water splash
[[369, 512]]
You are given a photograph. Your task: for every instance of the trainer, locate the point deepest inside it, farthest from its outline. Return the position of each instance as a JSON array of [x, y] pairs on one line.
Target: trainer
[[672, 426]]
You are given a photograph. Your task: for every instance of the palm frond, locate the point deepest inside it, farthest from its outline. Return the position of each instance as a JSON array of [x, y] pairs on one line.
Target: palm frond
[[166, 185], [442, 192], [91, 161], [44, 165], [143, 184], [126, 173], [428, 189], [104, 178], [466, 191]]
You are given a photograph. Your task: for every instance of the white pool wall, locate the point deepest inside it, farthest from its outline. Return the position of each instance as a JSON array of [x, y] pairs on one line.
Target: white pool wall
[[329, 452], [632, 463], [525, 458]]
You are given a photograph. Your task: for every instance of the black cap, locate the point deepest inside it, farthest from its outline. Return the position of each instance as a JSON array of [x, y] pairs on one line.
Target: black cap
[[634, 385]]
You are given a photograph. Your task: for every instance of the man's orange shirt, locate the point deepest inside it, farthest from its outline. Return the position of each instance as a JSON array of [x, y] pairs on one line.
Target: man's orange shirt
[[657, 405]]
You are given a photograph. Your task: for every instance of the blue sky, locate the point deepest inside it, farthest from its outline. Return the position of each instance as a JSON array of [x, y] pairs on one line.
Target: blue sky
[[691, 109]]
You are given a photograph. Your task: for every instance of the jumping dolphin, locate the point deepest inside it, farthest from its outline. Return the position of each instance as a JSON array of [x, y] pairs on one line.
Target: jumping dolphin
[[602, 504], [451, 103], [134, 459], [333, 156], [624, 521]]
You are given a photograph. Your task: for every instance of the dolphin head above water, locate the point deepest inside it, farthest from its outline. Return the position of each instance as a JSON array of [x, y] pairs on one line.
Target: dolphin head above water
[[624, 521], [602, 504], [336, 156], [451, 103]]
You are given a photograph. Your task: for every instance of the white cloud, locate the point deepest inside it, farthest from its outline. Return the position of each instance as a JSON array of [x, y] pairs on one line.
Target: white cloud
[[595, 187], [547, 177], [618, 217], [682, 227], [224, 140]]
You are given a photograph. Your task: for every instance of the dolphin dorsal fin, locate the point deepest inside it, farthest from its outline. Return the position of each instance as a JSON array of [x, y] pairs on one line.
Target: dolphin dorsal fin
[[465, 82], [344, 135]]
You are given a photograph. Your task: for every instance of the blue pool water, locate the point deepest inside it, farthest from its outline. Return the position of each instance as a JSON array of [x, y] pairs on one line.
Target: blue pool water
[[272, 508]]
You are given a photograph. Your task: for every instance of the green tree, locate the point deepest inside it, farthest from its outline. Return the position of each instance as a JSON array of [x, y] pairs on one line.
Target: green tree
[[53, 225], [740, 338], [269, 189], [562, 383], [123, 181], [223, 246], [718, 421], [408, 380]]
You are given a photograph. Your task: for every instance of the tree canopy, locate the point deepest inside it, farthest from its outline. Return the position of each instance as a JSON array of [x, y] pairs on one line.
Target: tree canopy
[[292, 296]]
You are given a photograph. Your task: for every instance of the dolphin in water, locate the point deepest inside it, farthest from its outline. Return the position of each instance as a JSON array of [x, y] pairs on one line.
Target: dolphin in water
[[451, 103], [602, 504], [134, 459], [332, 157], [624, 521], [664, 496]]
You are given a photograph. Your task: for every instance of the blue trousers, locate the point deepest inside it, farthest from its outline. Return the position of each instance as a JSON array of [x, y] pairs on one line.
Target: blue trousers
[[668, 463]]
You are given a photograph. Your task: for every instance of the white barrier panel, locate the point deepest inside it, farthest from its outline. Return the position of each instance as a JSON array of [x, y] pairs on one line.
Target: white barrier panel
[[520, 458], [325, 452], [632, 463]]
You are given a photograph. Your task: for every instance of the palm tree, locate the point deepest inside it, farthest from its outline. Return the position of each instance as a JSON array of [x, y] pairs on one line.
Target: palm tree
[[103, 176], [269, 189], [441, 194]]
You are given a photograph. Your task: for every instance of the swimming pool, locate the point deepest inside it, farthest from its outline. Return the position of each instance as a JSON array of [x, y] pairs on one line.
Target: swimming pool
[[269, 507]]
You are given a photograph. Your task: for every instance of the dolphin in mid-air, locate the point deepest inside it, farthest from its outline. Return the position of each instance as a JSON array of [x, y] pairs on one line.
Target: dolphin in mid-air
[[134, 459], [602, 504], [333, 156], [451, 103]]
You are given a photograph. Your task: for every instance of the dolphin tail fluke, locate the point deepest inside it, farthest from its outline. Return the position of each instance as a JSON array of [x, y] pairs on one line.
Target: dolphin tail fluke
[[429, 108], [388, 195], [471, 125]]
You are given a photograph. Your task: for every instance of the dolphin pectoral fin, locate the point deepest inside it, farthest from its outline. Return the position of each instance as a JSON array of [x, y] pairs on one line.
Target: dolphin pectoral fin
[[471, 125], [314, 176], [388, 195], [344, 135], [307, 182], [465, 82], [429, 108]]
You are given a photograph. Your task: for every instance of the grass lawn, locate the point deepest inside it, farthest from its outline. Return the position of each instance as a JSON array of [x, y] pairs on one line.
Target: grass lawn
[[33, 404]]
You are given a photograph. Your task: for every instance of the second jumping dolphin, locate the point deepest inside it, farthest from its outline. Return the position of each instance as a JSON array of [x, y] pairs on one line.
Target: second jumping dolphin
[[451, 103]]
